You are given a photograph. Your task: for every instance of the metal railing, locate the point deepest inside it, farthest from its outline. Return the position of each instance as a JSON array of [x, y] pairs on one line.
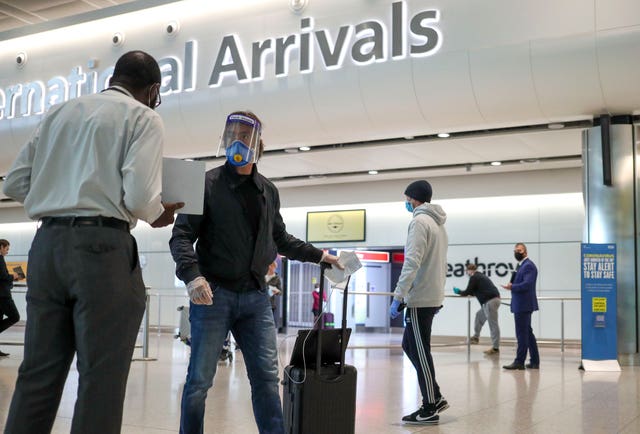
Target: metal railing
[[503, 300], [145, 333], [144, 325], [181, 295]]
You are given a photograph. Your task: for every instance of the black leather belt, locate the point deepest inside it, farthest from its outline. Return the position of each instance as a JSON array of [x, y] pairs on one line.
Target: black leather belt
[[79, 221]]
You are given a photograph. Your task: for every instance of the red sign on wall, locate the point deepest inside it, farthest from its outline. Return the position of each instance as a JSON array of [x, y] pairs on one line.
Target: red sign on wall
[[370, 256]]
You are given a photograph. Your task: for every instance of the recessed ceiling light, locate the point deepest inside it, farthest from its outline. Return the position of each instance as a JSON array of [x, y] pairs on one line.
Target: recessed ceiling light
[[496, 163], [291, 150], [304, 148], [530, 160], [373, 172], [408, 137], [555, 126], [443, 135]]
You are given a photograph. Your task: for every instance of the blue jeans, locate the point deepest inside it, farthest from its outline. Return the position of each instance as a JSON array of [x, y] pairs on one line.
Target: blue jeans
[[249, 317]]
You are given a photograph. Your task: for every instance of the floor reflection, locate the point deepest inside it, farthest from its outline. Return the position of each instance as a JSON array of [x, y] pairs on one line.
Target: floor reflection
[[484, 398]]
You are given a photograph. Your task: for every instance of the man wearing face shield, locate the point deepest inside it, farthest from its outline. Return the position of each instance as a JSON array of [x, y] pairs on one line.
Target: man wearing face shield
[[241, 142], [239, 234]]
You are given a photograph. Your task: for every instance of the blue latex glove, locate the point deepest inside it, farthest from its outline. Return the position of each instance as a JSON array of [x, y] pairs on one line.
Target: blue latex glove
[[456, 290], [393, 309]]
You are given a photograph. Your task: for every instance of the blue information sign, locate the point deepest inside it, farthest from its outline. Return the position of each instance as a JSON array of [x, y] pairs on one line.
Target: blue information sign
[[599, 320]]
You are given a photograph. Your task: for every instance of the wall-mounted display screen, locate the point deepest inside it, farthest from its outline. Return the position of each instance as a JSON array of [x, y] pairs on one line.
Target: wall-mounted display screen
[[336, 226]]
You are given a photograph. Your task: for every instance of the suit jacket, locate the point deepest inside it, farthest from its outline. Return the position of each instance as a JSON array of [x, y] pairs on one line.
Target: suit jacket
[[523, 288], [6, 279]]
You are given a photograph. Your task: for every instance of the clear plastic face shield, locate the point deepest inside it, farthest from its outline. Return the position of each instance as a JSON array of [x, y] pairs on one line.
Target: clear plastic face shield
[[240, 141]]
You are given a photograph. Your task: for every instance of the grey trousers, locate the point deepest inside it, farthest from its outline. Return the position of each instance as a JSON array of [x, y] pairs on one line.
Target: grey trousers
[[489, 311], [85, 297]]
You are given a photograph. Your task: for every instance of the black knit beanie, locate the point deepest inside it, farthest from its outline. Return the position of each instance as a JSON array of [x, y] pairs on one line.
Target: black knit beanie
[[419, 190]]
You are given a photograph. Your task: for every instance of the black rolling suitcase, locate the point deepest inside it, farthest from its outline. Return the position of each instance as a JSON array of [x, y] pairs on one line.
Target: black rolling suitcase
[[319, 389]]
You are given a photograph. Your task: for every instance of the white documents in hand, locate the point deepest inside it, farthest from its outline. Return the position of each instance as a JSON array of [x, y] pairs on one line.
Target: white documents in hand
[[351, 264], [183, 181]]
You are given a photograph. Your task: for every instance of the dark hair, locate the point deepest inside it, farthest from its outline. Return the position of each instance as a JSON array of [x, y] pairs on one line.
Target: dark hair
[[472, 267], [252, 115], [4, 243], [136, 69]]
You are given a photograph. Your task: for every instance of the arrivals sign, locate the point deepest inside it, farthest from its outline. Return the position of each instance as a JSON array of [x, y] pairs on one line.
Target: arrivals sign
[[372, 41], [599, 320]]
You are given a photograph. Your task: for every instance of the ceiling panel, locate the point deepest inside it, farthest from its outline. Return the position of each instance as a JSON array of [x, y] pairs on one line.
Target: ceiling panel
[[22, 13], [66, 9], [561, 148], [394, 158]]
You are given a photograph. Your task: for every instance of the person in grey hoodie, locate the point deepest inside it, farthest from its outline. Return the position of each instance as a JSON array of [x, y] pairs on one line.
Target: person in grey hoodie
[[421, 288]]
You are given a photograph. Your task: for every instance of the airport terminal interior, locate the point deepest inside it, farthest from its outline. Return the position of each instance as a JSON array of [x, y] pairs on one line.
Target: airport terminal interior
[[524, 116], [483, 397]]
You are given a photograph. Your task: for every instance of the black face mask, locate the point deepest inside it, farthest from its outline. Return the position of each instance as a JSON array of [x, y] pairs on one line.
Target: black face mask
[[519, 256]]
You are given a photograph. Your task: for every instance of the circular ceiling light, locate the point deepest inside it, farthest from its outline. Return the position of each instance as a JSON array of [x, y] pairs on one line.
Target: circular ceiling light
[[117, 39], [21, 59], [304, 148], [555, 126], [496, 163], [172, 28], [373, 172], [298, 5], [443, 135]]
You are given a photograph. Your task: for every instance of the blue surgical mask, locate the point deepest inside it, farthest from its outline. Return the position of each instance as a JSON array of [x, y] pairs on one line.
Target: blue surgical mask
[[239, 154], [408, 205]]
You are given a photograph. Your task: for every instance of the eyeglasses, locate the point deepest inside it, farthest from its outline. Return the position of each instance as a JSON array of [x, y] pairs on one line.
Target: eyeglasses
[[157, 101]]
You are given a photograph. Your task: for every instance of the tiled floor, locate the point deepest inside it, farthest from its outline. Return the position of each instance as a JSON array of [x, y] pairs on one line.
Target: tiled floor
[[483, 397]]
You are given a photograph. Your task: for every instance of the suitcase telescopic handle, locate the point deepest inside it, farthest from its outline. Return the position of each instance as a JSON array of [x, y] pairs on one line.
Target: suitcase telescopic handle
[[343, 341], [323, 267]]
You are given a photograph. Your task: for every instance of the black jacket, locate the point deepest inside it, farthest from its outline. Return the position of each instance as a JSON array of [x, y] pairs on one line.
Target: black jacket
[[227, 252], [482, 287], [6, 279]]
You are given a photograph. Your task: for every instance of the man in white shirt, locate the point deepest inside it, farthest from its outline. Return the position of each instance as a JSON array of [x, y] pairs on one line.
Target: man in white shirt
[[89, 172]]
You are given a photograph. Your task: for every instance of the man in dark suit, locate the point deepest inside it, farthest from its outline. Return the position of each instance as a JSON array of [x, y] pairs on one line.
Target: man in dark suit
[[523, 304], [7, 306]]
